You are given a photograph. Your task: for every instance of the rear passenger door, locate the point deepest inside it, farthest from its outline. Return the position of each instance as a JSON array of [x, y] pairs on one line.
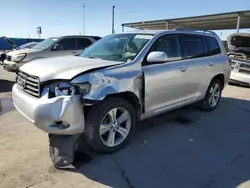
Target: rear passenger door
[[194, 50], [82, 43]]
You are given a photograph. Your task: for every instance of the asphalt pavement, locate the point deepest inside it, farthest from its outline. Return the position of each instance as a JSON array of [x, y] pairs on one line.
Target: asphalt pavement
[[186, 148]]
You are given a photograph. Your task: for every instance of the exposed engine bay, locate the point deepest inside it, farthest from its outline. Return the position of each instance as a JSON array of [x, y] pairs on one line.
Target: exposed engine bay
[[239, 46]]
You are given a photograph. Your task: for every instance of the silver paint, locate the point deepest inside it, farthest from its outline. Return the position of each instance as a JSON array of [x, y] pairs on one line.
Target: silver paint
[[167, 85]]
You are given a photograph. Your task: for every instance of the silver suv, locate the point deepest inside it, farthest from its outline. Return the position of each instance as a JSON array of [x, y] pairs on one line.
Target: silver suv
[[119, 80]]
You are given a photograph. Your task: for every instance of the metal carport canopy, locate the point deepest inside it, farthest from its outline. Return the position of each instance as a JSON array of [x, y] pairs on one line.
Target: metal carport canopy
[[229, 20]]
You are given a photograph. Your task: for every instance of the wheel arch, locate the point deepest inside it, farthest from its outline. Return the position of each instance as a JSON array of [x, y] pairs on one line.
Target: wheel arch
[[221, 78], [131, 98]]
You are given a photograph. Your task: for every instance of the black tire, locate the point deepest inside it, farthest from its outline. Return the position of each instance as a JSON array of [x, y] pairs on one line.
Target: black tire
[[96, 115], [205, 104]]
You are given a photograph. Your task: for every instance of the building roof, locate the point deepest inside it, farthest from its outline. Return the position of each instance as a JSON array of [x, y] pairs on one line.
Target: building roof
[[207, 22]]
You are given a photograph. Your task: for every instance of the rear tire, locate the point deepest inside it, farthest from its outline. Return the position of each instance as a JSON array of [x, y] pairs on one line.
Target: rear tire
[[213, 96], [106, 130]]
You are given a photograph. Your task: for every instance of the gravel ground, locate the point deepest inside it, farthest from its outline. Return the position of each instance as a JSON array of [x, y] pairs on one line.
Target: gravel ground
[[181, 149]]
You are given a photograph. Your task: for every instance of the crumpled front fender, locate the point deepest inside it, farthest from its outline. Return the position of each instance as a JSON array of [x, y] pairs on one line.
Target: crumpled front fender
[[112, 82]]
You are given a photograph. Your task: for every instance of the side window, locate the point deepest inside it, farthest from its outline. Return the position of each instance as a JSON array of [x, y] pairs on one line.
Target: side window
[[169, 44], [83, 43], [213, 46], [192, 46], [66, 44], [97, 38]]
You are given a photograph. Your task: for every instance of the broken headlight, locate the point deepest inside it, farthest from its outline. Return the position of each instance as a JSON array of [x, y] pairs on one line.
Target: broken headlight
[[66, 89], [18, 57]]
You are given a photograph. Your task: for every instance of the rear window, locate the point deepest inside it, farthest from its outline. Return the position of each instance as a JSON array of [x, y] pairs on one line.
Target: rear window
[[213, 46], [192, 46]]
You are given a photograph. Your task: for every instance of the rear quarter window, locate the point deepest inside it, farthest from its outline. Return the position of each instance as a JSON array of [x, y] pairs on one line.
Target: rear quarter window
[[213, 46]]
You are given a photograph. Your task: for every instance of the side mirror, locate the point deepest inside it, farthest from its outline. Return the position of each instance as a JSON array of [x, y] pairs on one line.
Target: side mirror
[[56, 47], [157, 56]]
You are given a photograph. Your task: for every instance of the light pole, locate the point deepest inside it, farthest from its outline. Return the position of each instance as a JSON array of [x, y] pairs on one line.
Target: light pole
[[83, 19], [113, 19]]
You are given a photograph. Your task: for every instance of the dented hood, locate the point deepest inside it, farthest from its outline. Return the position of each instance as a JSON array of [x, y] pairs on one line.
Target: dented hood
[[238, 40], [65, 67]]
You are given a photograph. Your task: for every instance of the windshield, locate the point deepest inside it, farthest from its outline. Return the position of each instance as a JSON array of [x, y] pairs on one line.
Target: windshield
[[45, 44], [118, 47], [28, 45]]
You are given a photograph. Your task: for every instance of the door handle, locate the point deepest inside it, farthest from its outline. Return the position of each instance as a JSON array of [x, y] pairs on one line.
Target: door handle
[[210, 63], [183, 69]]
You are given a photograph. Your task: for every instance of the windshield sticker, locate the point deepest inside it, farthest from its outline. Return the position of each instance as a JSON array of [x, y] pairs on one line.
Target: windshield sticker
[[55, 39], [143, 36]]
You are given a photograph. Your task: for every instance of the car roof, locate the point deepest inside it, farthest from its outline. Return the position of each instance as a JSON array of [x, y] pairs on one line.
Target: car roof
[[75, 36], [180, 31], [153, 32]]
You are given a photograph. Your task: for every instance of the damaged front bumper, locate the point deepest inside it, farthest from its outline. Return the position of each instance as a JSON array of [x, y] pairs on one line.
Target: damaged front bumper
[[59, 115]]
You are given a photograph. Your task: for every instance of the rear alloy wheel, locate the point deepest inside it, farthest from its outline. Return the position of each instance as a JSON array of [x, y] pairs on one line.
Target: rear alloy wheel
[[213, 96], [110, 125]]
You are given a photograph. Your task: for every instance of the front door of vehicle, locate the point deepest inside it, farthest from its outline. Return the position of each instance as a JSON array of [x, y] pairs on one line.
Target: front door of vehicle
[[164, 82], [197, 76], [66, 46]]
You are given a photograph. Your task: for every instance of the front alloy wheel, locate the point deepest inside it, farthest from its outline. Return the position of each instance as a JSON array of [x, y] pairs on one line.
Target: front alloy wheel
[[115, 127], [110, 125]]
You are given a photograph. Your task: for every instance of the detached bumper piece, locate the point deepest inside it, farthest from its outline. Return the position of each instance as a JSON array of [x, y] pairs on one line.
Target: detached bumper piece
[[62, 149]]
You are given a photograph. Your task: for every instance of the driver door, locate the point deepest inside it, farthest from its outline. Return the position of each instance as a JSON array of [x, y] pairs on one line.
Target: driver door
[[165, 87], [66, 46]]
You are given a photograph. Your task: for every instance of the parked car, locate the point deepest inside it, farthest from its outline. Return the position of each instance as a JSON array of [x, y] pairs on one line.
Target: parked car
[[24, 46], [119, 80], [239, 52], [51, 47]]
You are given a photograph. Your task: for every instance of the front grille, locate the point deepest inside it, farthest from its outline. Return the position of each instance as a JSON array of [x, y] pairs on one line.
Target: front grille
[[8, 57], [29, 83]]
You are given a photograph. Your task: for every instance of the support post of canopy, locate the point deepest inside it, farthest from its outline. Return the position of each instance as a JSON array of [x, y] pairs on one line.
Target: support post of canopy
[[238, 24], [167, 25]]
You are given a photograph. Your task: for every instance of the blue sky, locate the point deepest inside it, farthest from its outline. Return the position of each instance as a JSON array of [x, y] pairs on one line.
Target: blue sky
[[19, 18]]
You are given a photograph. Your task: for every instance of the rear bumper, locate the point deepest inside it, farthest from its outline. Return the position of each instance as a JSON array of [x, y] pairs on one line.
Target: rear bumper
[[240, 78], [47, 113]]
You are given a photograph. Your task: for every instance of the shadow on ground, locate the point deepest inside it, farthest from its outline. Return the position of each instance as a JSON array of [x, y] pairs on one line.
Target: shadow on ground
[[180, 149], [6, 85], [6, 105]]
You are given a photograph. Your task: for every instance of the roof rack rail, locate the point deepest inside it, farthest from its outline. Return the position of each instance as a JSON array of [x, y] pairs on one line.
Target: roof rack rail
[[195, 29]]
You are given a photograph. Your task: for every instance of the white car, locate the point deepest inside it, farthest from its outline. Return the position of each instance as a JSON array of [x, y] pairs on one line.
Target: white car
[[239, 52], [51, 47]]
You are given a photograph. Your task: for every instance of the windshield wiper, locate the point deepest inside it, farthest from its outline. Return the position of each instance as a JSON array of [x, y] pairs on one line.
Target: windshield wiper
[[92, 57]]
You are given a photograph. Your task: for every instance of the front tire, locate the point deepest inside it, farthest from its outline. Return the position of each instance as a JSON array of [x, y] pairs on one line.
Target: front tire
[[110, 125], [213, 96]]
